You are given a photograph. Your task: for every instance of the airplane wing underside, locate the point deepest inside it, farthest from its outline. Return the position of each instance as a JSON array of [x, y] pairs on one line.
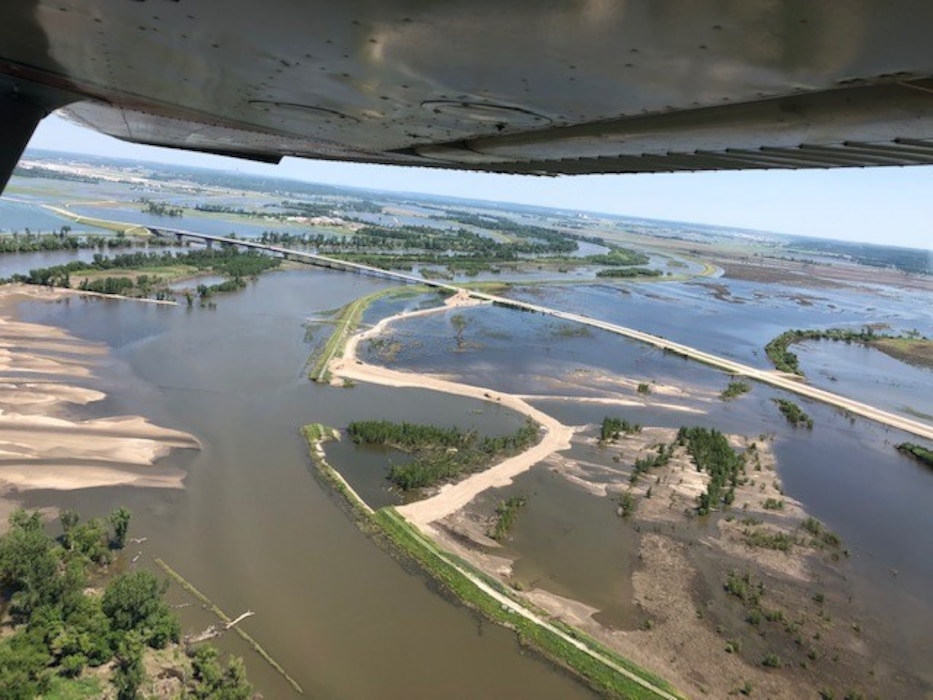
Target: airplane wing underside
[[526, 86]]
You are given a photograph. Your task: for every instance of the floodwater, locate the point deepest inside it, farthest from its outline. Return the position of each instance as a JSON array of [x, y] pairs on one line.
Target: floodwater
[[20, 215], [845, 471], [12, 263], [572, 543], [200, 224], [253, 529]]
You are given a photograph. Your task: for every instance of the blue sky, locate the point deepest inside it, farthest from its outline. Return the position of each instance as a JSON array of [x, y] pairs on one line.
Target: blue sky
[[878, 205]]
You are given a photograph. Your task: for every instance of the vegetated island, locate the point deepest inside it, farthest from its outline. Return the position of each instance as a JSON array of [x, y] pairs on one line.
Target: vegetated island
[[918, 452], [795, 415], [506, 514], [909, 347], [65, 639], [441, 454], [111, 275], [734, 389]]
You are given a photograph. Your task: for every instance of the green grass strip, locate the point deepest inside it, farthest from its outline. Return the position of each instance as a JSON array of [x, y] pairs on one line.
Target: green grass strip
[[601, 668], [346, 322], [118, 226], [604, 670], [226, 619]]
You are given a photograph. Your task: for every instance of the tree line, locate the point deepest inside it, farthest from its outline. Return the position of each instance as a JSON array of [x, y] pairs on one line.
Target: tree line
[[33, 242], [161, 209], [778, 349], [628, 272], [226, 261], [440, 454], [60, 627], [795, 415]]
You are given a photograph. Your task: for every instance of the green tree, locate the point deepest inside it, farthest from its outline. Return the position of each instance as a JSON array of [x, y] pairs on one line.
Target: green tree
[[211, 682], [133, 601], [120, 521], [69, 519], [90, 540], [128, 672], [23, 666], [29, 565]]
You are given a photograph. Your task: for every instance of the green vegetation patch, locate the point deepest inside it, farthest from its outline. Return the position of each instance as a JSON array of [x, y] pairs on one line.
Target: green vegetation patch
[[821, 537], [619, 257], [712, 453], [85, 688], [914, 350], [628, 272], [440, 453], [59, 628], [224, 261], [506, 514], [768, 539], [451, 249], [613, 428], [735, 388], [910, 347], [29, 242], [795, 415], [918, 452]]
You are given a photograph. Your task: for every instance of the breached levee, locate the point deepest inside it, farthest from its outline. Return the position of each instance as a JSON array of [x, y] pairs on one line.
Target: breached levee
[[452, 497], [43, 370]]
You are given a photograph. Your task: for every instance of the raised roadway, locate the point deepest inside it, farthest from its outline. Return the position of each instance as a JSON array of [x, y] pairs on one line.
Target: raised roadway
[[777, 379]]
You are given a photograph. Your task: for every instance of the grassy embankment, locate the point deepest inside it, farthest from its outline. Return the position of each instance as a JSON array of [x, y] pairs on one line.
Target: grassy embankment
[[601, 668], [346, 321], [123, 227]]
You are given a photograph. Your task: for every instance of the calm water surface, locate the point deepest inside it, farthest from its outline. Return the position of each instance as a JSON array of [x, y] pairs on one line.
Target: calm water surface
[[253, 528]]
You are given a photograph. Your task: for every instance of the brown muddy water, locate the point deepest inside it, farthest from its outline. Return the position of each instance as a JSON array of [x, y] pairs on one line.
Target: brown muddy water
[[253, 529]]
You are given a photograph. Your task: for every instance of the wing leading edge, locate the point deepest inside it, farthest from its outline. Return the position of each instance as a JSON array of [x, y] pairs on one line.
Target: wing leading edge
[[536, 86]]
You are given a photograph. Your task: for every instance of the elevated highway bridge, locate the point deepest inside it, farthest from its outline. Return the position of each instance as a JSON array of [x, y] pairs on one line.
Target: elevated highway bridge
[[774, 378]]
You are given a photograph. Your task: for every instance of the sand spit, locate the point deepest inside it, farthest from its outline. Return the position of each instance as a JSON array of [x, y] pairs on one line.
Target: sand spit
[[452, 497], [43, 371]]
